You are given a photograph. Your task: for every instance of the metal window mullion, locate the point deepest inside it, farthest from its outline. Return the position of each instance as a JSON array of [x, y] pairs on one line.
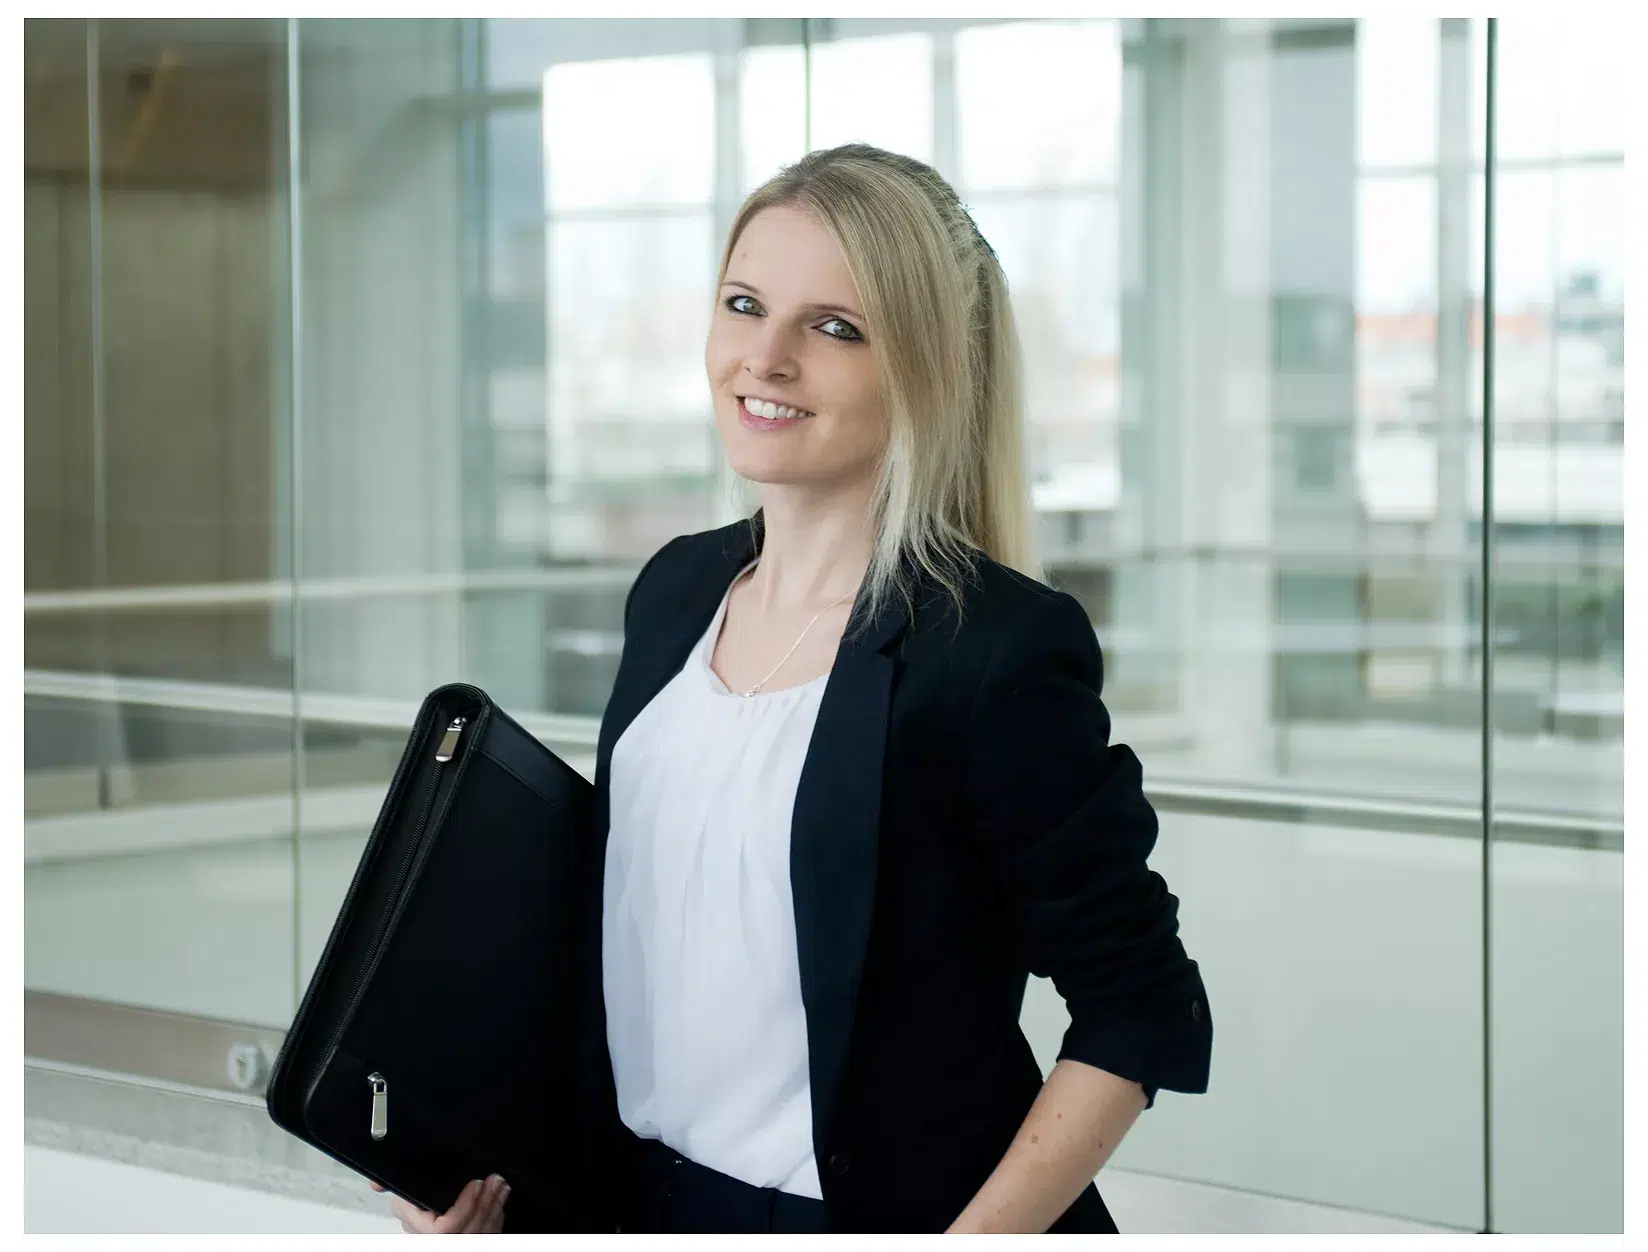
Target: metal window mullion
[[294, 210], [729, 174], [1487, 579]]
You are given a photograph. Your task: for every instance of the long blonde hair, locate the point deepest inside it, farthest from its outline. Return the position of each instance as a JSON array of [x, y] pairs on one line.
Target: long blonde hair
[[947, 356]]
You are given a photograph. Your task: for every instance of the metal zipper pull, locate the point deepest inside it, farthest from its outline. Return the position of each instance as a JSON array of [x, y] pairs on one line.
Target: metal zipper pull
[[380, 1105], [449, 741]]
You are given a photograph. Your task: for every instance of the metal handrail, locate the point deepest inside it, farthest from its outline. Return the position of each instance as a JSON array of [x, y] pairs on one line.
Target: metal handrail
[[619, 575], [1192, 796]]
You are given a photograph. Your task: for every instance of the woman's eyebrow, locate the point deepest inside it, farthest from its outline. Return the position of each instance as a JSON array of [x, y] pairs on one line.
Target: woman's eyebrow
[[815, 308]]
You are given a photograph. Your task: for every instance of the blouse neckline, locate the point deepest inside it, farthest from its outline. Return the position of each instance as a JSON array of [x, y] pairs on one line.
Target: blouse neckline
[[706, 651]]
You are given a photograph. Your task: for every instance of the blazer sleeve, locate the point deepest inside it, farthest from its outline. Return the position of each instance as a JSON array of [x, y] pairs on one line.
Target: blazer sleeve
[[1061, 816]]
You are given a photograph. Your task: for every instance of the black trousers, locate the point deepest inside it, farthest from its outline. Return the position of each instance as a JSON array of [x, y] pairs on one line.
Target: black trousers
[[670, 1194]]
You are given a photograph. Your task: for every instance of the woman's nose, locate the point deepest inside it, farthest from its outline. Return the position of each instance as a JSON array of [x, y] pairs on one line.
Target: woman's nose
[[772, 353]]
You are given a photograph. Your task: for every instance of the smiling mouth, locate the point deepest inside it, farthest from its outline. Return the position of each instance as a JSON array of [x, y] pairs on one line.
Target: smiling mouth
[[760, 410]]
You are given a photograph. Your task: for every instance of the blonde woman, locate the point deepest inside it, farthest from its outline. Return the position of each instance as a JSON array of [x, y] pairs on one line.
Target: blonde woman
[[855, 781]]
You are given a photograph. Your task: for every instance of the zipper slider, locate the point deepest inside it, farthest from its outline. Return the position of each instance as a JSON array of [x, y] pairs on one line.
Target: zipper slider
[[449, 741], [380, 1105]]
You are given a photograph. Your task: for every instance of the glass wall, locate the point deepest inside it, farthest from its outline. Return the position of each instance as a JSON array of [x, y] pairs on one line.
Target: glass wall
[[158, 740], [361, 359], [1557, 907]]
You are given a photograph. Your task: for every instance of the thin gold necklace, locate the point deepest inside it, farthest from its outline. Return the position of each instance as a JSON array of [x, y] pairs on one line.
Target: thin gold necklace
[[793, 646]]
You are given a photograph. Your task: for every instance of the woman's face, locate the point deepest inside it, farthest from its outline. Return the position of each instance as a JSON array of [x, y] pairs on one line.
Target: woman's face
[[789, 329]]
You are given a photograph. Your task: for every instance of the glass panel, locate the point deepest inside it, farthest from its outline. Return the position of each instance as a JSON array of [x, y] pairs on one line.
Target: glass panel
[[159, 816], [872, 88], [397, 502], [1558, 913], [1287, 605], [1064, 132], [1332, 1015]]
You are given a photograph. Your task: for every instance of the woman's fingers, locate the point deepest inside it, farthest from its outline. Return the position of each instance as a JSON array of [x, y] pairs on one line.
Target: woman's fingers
[[488, 1218], [465, 1212], [500, 1193], [378, 1187], [479, 1209]]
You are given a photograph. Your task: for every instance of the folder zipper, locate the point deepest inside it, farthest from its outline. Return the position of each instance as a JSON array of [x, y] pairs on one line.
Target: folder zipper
[[449, 741], [380, 1105]]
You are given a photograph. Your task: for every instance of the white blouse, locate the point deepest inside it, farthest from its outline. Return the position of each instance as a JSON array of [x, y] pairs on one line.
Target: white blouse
[[703, 991]]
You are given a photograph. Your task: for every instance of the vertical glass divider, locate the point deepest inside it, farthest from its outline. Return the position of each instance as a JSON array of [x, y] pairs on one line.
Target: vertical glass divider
[[107, 713], [1490, 104], [294, 209]]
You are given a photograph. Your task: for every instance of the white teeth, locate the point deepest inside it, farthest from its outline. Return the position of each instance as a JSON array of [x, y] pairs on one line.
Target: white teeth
[[772, 412]]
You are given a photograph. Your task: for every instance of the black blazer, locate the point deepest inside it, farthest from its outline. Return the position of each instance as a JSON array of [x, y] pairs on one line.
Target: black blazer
[[961, 821]]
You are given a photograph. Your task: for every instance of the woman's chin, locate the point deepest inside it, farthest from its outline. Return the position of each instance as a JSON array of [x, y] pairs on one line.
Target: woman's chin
[[763, 465], [768, 475]]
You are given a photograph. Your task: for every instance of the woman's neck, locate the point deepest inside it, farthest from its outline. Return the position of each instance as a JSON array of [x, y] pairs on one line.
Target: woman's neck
[[810, 555]]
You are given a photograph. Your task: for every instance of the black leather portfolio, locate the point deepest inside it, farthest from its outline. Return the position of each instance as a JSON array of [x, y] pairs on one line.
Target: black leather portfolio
[[435, 1043]]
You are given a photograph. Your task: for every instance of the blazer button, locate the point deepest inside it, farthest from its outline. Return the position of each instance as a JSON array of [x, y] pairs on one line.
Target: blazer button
[[1196, 1010], [839, 1163]]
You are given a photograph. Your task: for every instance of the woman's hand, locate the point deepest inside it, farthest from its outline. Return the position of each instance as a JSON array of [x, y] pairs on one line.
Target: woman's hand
[[478, 1210]]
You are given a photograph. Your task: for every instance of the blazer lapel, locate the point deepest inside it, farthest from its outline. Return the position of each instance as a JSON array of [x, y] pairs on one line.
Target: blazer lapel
[[833, 844], [834, 832]]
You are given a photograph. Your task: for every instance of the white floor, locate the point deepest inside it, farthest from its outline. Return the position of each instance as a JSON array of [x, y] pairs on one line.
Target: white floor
[[67, 1193]]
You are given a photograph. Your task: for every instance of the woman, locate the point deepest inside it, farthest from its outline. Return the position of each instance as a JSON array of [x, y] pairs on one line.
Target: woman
[[854, 782]]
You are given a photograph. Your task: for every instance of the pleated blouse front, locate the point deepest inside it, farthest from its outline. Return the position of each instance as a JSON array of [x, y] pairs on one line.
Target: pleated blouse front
[[705, 1024]]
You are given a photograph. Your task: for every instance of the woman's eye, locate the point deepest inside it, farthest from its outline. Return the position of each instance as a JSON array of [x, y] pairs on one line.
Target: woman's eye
[[732, 303], [851, 335]]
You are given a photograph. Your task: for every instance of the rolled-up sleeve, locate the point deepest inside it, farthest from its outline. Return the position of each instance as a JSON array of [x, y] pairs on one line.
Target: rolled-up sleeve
[[1061, 816]]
